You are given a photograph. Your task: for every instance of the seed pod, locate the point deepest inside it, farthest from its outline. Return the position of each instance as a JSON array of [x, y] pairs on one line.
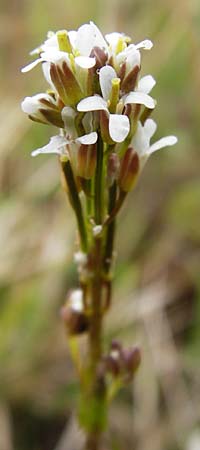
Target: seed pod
[[129, 170]]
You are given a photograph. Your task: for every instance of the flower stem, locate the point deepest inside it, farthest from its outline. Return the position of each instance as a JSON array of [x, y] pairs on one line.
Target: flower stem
[[76, 203], [110, 233], [98, 197]]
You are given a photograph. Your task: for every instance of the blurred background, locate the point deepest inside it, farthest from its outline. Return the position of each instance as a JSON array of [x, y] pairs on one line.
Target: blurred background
[[157, 284]]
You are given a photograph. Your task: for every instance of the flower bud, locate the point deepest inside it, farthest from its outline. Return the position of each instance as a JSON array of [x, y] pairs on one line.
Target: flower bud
[[129, 170], [86, 161], [73, 314], [65, 83], [132, 360], [112, 363], [43, 108]]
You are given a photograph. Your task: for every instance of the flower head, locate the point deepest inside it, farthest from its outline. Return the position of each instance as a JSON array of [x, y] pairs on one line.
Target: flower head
[[95, 89]]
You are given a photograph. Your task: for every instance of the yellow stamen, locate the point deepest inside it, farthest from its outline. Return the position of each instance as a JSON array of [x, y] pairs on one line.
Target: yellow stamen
[[63, 41], [114, 96]]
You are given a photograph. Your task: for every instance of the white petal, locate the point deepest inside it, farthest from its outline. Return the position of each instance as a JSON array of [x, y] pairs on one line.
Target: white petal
[[55, 145], [88, 139], [141, 99], [113, 38], [131, 56], [163, 142], [94, 103], [140, 141], [146, 84], [119, 127], [31, 65], [85, 39], [46, 72], [146, 44], [106, 75], [99, 39], [149, 128], [85, 62], [68, 115], [55, 56], [72, 37], [30, 105]]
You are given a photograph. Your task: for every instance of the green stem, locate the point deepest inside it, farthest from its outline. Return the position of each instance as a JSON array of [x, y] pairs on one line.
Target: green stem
[[110, 234], [76, 203], [117, 207], [98, 195]]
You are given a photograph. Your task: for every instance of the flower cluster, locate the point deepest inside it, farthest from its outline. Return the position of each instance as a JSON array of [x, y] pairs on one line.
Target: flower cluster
[[95, 89]]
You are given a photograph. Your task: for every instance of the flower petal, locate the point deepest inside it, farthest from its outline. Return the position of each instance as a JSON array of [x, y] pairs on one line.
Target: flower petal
[[93, 103], [85, 62], [99, 39], [31, 65], [106, 75], [113, 38], [146, 44], [146, 84], [72, 37], [55, 56], [68, 116], [140, 98], [46, 72], [166, 141], [119, 127], [149, 128], [88, 139], [55, 145], [140, 141], [85, 39]]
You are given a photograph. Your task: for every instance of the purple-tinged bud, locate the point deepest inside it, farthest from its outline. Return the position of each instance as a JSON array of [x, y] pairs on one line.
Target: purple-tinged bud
[[112, 364], [113, 168], [43, 108], [65, 83], [73, 314], [129, 82], [129, 170], [132, 359], [86, 161], [100, 55]]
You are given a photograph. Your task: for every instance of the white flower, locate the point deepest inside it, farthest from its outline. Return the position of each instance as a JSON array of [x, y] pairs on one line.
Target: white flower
[[142, 137], [57, 144], [119, 125], [130, 55], [82, 42], [32, 105], [56, 56]]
